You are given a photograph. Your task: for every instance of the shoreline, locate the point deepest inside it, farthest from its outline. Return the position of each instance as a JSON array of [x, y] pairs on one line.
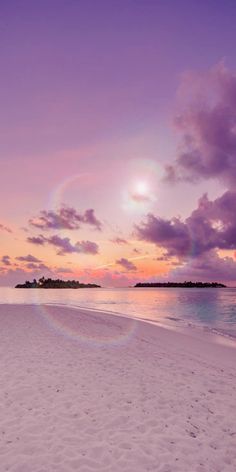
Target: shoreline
[[216, 319], [212, 335], [89, 391]]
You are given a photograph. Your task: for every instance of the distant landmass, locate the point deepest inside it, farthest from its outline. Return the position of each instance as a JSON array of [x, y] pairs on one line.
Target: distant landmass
[[50, 283], [182, 284]]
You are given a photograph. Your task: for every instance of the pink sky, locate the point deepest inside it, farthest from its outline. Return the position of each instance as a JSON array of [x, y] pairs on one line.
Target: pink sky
[[118, 141]]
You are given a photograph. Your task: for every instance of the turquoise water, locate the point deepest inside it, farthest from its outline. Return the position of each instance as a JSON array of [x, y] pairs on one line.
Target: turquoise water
[[213, 309]]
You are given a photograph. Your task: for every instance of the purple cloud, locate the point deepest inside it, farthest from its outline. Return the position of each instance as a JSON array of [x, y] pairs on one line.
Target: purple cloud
[[126, 264], [170, 234], [38, 240], [28, 258], [87, 247], [211, 226], [65, 246], [65, 218], [6, 260], [119, 241], [208, 128], [34, 266], [208, 267], [89, 218], [5, 228]]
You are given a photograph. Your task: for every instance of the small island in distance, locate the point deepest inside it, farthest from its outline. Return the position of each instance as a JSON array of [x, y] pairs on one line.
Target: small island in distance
[[50, 283], [182, 285]]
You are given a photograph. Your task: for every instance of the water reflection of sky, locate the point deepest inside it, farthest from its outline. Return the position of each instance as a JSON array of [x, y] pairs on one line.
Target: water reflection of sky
[[213, 308], [203, 306]]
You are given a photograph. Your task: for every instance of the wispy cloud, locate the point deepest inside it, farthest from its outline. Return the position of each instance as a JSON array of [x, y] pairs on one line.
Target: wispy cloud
[[35, 266], [6, 260], [28, 258], [5, 228], [139, 197], [64, 270], [119, 241]]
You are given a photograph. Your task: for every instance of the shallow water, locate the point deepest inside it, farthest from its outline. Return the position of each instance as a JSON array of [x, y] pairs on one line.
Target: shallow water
[[213, 309]]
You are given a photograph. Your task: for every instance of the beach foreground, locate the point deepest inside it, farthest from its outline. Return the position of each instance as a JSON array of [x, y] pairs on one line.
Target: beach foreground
[[83, 391]]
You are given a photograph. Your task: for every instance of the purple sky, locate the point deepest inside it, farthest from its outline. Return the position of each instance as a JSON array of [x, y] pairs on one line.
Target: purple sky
[[118, 140]]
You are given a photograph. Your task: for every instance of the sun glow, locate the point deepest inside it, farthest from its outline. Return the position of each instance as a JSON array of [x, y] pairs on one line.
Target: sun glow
[[141, 188]]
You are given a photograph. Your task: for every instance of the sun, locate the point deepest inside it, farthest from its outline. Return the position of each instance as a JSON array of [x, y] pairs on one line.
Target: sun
[[141, 188], [138, 196]]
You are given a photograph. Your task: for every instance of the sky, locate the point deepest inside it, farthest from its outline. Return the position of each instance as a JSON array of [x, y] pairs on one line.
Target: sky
[[118, 141]]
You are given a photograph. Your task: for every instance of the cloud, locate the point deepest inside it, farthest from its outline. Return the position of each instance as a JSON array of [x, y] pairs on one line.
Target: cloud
[[64, 270], [139, 197], [65, 218], [11, 277], [28, 258], [163, 258], [209, 267], [5, 228], [65, 246], [89, 218], [207, 124], [34, 266], [126, 264], [119, 241], [87, 247], [39, 240], [170, 234], [6, 260], [211, 226]]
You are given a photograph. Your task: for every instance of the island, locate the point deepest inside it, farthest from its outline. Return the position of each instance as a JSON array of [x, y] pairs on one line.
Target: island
[[57, 283], [181, 285]]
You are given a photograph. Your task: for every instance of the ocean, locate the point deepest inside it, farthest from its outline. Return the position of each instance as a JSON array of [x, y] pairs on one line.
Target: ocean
[[208, 308]]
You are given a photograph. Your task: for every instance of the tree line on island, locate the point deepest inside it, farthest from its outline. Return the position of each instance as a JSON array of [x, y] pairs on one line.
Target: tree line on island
[[181, 284], [57, 283]]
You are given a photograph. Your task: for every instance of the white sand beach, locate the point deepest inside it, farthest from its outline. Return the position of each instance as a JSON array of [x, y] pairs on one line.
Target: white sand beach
[[87, 392]]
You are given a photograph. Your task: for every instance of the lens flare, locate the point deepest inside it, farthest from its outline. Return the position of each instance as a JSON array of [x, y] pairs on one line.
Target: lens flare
[[60, 194], [98, 329]]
